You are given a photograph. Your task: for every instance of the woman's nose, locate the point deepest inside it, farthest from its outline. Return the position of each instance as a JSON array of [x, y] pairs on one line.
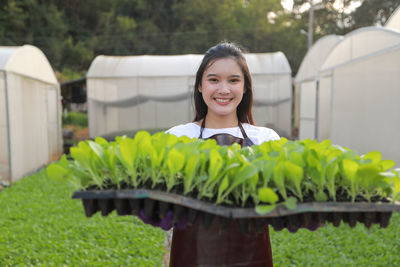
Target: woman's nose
[[224, 87]]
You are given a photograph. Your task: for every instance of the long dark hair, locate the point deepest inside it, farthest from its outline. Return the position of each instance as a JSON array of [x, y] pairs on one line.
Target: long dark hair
[[225, 50]]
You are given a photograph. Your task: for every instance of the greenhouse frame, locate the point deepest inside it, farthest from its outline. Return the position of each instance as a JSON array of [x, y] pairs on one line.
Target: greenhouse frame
[[305, 84], [357, 93], [394, 20], [30, 115]]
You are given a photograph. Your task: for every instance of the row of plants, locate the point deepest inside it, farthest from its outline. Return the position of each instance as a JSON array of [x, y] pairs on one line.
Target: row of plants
[[75, 118], [263, 176], [42, 226]]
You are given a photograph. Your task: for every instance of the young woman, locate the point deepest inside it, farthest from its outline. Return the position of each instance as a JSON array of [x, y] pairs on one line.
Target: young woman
[[223, 98]]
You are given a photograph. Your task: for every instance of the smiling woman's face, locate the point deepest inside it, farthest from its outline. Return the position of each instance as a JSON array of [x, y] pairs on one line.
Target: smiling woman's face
[[222, 88]]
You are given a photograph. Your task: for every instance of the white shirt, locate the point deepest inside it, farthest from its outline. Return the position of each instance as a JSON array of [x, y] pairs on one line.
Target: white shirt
[[257, 135]]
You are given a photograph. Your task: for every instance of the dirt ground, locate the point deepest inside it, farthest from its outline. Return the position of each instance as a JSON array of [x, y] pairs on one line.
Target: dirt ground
[[80, 134]]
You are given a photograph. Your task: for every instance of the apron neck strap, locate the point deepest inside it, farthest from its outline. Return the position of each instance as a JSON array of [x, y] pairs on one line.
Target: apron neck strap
[[203, 124]]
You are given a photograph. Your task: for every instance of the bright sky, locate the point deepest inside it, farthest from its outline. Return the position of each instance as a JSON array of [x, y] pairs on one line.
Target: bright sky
[[288, 5]]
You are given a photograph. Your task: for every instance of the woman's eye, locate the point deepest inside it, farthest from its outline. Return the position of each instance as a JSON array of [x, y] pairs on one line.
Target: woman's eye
[[235, 80], [213, 80]]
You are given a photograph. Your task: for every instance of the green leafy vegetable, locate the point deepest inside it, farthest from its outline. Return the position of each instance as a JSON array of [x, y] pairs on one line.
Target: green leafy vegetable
[[274, 173]]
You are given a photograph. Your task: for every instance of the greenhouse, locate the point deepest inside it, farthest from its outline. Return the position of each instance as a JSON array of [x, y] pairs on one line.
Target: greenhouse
[[306, 83], [30, 126], [394, 20], [155, 92], [357, 92]]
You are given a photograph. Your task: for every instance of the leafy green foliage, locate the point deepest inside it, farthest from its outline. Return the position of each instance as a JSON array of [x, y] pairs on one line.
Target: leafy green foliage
[[266, 194], [396, 184], [42, 226], [273, 173], [338, 246], [75, 118]]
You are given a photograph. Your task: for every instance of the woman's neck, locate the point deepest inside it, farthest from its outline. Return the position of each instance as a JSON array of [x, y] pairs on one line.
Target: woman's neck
[[218, 122]]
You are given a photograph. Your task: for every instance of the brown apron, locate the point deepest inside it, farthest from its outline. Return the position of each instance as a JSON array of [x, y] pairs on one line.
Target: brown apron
[[216, 245]]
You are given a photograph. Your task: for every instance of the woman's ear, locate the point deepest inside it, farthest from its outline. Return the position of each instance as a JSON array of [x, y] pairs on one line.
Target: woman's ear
[[199, 89]]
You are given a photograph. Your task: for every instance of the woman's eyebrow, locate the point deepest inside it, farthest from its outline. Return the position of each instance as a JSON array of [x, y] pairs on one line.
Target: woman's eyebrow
[[233, 75], [230, 76]]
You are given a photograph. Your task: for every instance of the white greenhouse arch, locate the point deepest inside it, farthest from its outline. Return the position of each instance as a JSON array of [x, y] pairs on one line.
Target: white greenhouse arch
[[30, 115], [155, 92], [394, 20], [306, 85], [358, 90]]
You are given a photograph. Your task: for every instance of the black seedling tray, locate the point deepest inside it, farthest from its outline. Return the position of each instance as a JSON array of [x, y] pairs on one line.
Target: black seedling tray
[[157, 204]]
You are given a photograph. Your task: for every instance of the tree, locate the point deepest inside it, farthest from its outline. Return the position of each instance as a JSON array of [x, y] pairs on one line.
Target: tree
[[373, 12], [71, 33]]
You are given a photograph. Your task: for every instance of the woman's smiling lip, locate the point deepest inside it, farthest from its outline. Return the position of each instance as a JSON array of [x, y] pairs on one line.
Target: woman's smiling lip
[[223, 100]]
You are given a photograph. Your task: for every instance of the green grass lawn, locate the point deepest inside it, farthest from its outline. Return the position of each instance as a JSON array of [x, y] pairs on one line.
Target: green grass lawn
[[40, 225]]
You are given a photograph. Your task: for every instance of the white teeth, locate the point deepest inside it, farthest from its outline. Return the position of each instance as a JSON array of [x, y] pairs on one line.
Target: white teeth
[[223, 100]]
